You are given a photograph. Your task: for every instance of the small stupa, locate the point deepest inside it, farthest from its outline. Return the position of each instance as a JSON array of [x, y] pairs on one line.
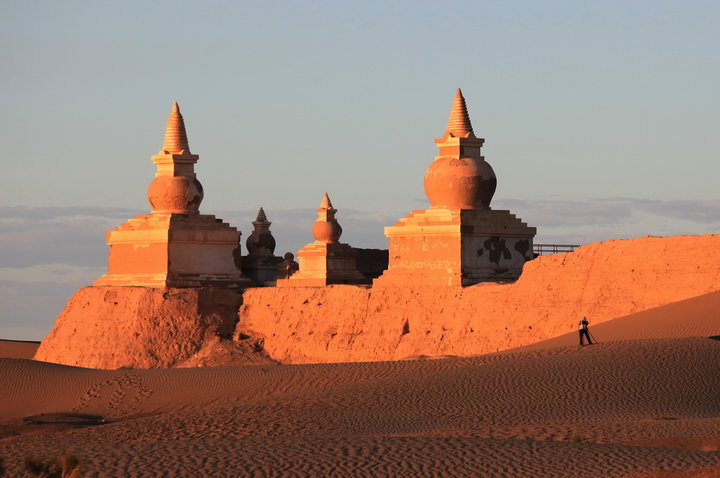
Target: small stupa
[[459, 240], [175, 245], [325, 261], [260, 264]]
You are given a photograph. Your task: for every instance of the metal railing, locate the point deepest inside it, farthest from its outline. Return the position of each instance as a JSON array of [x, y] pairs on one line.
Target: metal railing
[[544, 249]]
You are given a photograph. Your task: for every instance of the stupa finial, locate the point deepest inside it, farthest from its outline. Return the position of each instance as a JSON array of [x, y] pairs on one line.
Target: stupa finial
[[261, 242], [459, 122], [326, 204], [176, 141], [261, 217]]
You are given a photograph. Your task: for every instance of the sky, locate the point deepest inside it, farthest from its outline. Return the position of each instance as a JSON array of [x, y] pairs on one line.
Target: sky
[[600, 120]]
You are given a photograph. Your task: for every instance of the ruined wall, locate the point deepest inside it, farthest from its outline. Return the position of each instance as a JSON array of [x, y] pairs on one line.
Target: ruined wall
[[371, 262], [601, 280], [146, 327]]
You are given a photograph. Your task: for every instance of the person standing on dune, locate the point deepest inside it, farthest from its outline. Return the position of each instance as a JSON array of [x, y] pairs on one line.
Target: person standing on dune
[[583, 330]]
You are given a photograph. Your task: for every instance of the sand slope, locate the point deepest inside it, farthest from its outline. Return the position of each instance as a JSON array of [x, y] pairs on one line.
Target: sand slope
[[567, 411], [696, 317], [18, 348]]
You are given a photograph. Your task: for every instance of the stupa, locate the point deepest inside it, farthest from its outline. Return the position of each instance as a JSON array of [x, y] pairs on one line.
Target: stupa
[[459, 240], [175, 245], [260, 264], [325, 261]]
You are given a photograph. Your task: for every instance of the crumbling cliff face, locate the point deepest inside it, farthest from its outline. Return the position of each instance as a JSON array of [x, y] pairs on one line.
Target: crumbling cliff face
[[143, 327], [601, 281], [114, 327]]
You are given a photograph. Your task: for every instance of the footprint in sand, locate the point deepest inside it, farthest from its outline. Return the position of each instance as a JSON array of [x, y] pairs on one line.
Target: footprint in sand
[[119, 395]]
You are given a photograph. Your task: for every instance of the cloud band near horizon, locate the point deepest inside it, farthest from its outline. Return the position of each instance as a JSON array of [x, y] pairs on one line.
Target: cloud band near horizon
[[46, 253]]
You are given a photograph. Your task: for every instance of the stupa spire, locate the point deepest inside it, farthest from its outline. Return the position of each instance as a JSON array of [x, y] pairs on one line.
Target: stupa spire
[[459, 122], [326, 204], [176, 141], [261, 217]]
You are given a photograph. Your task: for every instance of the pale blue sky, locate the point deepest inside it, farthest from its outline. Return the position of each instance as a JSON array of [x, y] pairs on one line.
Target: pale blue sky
[[600, 118]]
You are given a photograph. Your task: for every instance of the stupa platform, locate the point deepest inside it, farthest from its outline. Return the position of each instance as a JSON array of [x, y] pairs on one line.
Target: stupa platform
[[325, 264], [173, 250], [456, 247]]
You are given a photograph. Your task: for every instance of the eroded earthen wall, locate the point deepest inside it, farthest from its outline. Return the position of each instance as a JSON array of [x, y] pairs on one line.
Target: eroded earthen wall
[[602, 281], [145, 327], [139, 327]]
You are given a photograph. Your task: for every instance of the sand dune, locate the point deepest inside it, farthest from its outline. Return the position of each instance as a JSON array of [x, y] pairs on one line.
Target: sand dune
[[695, 317], [18, 349], [566, 411], [644, 403]]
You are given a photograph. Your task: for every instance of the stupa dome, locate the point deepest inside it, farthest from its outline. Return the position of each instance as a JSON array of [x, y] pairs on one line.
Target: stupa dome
[[261, 242], [326, 228], [175, 194]]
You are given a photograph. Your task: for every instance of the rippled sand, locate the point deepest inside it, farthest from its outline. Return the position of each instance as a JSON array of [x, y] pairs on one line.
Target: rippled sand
[[647, 408], [608, 410]]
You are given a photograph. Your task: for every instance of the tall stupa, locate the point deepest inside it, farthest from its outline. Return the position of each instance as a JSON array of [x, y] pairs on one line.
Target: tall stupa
[[174, 245], [459, 240]]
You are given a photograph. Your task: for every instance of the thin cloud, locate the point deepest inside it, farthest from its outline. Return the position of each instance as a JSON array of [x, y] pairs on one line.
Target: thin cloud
[[51, 273], [687, 210], [610, 211]]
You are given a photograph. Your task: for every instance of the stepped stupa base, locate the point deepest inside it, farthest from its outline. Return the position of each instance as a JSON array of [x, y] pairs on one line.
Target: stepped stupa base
[[456, 247], [178, 281], [173, 250], [261, 270], [325, 264]]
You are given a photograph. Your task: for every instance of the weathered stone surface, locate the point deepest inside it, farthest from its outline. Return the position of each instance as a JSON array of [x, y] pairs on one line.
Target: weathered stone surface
[[450, 247], [144, 327], [173, 250], [601, 280]]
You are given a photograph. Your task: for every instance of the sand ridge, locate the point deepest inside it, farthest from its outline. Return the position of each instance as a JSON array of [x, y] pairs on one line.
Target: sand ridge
[[553, 412], [694, 317], [24, 349]]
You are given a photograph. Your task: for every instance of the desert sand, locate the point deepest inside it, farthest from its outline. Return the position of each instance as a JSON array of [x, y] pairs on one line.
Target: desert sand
[[644, 402], [23, 349], [629, 406], [695, 317]]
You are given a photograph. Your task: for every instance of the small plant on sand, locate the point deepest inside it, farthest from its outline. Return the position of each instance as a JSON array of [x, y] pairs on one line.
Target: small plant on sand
[[66, 465], [579, 439]]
